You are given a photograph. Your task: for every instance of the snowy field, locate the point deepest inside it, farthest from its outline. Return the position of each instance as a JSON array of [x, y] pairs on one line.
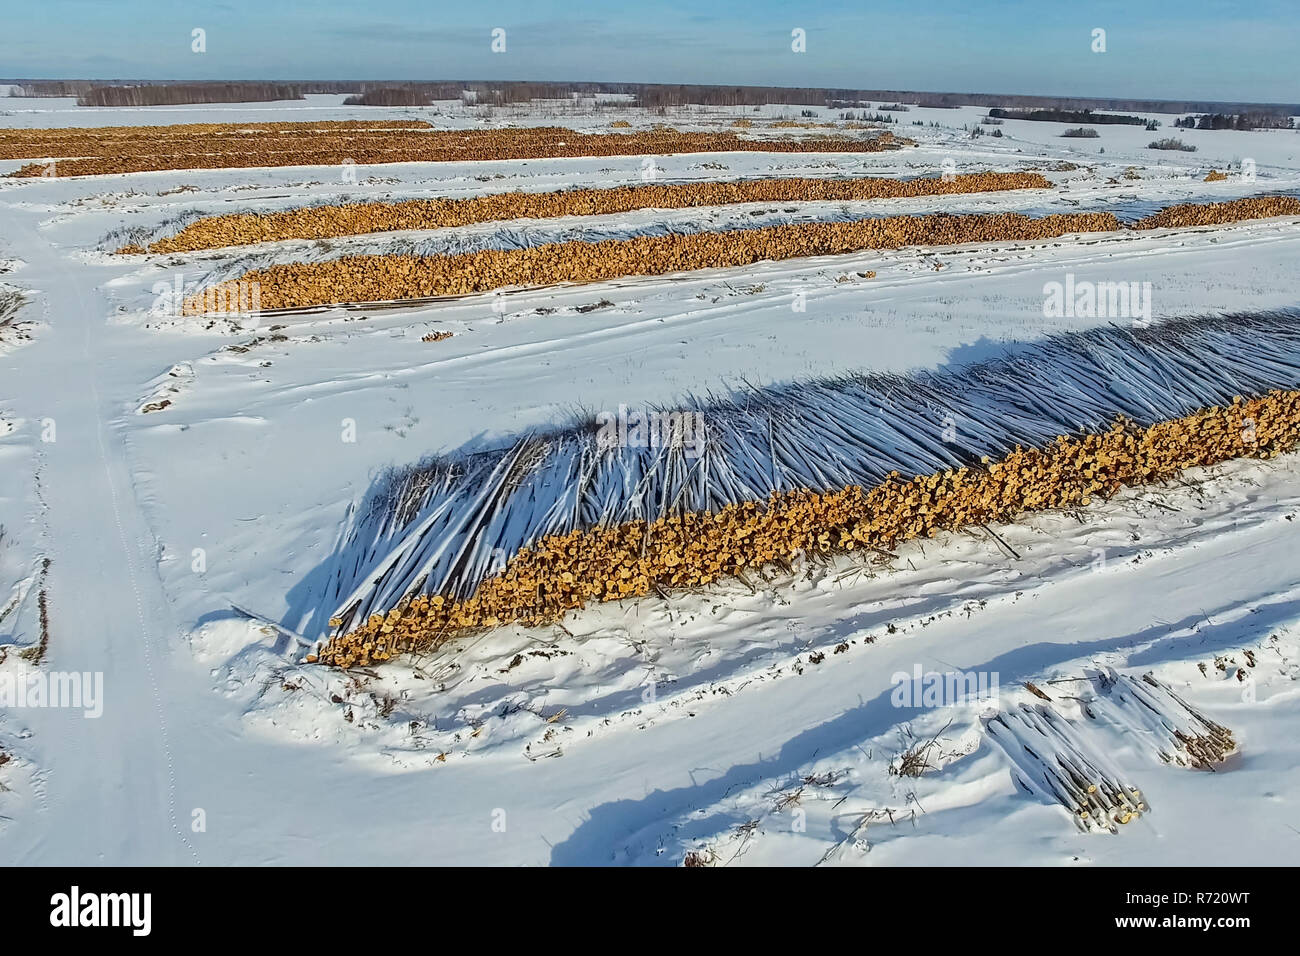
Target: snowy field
[[169, 468]]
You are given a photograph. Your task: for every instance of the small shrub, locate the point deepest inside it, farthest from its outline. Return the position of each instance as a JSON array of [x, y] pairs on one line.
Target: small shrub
[[1170, 143]]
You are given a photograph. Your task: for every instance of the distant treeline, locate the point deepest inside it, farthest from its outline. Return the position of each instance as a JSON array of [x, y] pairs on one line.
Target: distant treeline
[[1237, 121], [483, 94], [656, 96], [389, 97], [1083, 103], [183, 93], [79, 88], [1067, 116]]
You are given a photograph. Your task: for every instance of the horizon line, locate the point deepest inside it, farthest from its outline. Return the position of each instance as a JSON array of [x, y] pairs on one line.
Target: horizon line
[[110, 81]]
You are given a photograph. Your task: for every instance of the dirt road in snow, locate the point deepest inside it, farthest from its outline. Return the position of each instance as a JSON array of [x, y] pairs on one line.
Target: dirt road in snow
[[109, 793]]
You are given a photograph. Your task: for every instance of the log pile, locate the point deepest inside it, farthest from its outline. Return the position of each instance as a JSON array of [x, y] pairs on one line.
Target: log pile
[[380, 278], [234, 146], [373, 278], [1056, 758], [1066, 758], [97, 141], [331, 222], [1178, 733], [561, 573], [1187, 215]]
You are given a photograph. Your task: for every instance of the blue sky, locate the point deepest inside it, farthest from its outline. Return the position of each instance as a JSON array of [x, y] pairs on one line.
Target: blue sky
[[1195, 49]]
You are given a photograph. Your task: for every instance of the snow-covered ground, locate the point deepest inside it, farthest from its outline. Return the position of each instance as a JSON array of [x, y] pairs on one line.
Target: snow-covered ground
[[168, 468]]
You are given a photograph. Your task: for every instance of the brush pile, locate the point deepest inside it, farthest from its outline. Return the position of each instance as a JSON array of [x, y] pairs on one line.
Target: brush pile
[[331, 222], [562, 519], [376, 278], [234, 146]]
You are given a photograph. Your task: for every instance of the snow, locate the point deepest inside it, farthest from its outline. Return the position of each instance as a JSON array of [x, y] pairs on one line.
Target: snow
[[642, 730]]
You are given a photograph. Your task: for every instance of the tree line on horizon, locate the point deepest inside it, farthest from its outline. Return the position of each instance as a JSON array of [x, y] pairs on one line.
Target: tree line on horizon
[[1249, 120], [647, 95], [185, 93]]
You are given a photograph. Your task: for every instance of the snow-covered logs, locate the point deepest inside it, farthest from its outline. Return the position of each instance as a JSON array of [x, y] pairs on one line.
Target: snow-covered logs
[[560, 520]]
